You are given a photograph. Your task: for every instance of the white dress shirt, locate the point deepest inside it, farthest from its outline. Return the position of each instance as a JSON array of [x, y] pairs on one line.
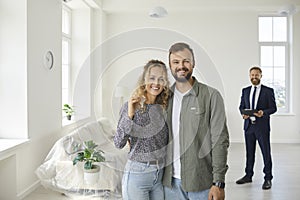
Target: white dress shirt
[[258, 88]]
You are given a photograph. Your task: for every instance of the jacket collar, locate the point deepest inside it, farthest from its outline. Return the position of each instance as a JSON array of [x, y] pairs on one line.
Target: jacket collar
[[194, 91]]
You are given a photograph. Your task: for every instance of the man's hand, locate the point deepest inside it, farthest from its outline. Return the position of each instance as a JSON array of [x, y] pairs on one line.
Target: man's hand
[[216, 193], [245, 116], [260, 113]]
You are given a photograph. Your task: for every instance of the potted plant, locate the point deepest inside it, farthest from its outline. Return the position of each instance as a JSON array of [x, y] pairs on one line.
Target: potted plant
[[69, 110], [89, 154]]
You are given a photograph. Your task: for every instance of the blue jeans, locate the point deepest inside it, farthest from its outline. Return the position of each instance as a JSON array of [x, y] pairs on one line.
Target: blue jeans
[[142, 181], [177, 193]]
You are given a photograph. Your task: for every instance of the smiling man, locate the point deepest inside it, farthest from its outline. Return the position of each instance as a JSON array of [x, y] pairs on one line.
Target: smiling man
[[257, 127], [198, 135]]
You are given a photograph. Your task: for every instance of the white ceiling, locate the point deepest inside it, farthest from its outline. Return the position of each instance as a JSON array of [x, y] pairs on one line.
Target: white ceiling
[[175, 6], [115, 6]]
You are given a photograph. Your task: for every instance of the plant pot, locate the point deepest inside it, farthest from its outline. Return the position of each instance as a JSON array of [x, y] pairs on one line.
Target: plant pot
[[69, 117], [91, 176]]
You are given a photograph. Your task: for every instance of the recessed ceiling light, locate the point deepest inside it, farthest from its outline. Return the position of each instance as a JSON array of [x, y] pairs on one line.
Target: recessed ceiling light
[[158, 12], [288, 10]]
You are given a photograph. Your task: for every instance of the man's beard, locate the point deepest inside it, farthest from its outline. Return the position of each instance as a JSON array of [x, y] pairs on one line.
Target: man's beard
[[255, 81], [182, 79]]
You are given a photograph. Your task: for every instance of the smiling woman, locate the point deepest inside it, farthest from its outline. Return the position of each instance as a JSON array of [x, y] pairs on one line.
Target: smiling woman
[[142, 125], [153, 82]]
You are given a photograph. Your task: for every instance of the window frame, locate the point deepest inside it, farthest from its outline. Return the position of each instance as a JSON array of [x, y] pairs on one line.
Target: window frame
[[68, 38], [287, 45]]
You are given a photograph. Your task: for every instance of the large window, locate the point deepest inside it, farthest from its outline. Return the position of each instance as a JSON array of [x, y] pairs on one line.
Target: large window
[[274, 57], [66, 55]]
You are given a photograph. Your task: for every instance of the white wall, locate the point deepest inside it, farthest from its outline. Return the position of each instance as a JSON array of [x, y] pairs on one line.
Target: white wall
[[13, 75], [81, 47], [44, 87], [30, 100], [229, 38], [98, 35]]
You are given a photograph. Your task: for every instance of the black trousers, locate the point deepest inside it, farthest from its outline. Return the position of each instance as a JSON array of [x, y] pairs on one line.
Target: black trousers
[[253, 134]]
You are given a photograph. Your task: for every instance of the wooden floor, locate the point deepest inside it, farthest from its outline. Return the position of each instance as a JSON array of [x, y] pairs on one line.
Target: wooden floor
[[286, 172]]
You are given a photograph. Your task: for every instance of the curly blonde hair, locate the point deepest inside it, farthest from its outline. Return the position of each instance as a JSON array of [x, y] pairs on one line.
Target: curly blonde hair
[[140, 91]]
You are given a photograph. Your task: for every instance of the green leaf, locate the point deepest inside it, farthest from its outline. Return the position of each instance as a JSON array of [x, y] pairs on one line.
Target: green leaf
[[69, 110], [89, 155], [88, 164], [78, 158]]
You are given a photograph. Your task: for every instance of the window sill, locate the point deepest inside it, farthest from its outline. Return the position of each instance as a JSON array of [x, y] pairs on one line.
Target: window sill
[[8, 146], [73, 122], [66, 122], [284, 114]]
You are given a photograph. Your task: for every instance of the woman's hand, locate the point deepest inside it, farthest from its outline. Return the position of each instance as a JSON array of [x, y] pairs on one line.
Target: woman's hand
[[132, 105]]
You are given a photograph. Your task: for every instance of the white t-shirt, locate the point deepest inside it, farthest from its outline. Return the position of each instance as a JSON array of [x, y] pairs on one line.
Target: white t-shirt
[[175, 129]]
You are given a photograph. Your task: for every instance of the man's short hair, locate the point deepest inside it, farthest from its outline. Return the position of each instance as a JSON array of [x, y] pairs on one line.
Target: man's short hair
[[180, 46], [255, 68]]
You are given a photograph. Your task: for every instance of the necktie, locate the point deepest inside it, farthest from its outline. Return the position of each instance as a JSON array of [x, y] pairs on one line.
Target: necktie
[[253, 97]]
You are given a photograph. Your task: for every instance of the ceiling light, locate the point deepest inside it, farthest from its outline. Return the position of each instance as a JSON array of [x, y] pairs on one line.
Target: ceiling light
[[288, 10], [158, 12]]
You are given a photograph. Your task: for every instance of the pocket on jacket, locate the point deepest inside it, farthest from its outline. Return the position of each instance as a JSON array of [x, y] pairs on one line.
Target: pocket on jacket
[[195, 110], [197, 117]]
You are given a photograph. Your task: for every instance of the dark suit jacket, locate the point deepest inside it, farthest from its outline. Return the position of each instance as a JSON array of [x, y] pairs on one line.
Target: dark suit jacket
[[266, 103]]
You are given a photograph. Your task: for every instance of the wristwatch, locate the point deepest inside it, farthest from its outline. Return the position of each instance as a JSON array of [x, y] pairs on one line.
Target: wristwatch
[[219, 184]]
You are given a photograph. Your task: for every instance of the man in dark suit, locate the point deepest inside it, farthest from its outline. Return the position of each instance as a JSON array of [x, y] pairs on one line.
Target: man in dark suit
[[257, 126]]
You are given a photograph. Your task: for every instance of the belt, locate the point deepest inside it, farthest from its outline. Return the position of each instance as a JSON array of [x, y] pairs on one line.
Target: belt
[[152, 162]]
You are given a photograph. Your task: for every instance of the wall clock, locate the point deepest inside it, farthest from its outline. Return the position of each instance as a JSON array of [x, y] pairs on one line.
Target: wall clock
[[49, 60]]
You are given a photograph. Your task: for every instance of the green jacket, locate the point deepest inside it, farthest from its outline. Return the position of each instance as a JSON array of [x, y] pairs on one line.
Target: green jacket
[[204, 139]]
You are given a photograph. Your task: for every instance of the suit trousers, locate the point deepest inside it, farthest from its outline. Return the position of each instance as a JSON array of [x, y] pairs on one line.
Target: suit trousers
[[253, 134]]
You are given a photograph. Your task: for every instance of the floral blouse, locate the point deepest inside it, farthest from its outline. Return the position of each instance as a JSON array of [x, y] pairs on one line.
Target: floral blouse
[[147, 133]]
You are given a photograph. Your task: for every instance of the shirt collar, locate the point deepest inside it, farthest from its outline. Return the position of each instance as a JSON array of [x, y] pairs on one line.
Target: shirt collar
[[257, 86]]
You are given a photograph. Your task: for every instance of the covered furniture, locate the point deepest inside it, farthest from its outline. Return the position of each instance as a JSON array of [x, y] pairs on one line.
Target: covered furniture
[[58, 173]]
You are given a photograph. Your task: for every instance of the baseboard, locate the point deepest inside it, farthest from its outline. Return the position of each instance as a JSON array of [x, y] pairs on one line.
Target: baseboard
[[28, 190], [287, 141], [284, 141]]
